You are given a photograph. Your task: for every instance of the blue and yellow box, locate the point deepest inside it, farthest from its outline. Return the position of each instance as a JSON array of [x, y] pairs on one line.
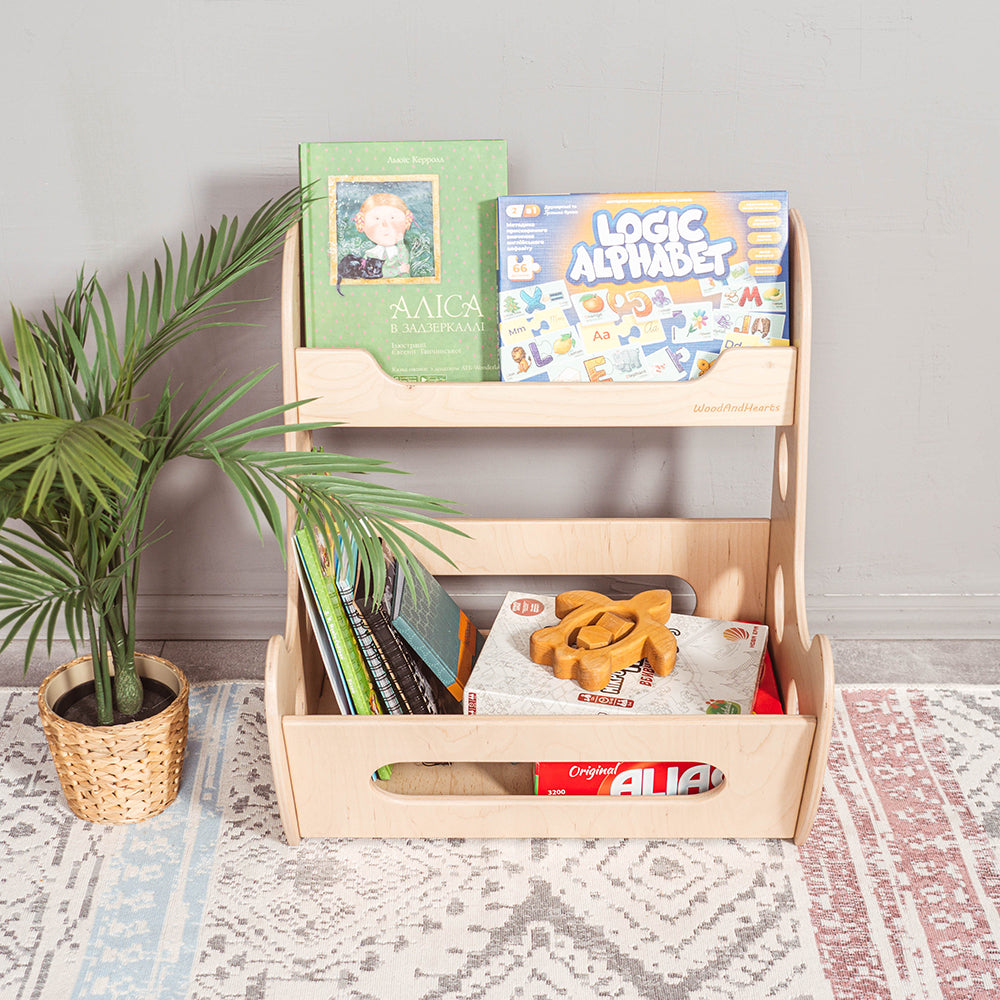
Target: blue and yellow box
[[619, 287]]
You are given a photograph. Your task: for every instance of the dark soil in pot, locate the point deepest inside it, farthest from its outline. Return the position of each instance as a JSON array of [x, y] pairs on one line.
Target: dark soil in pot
[[80, 703]]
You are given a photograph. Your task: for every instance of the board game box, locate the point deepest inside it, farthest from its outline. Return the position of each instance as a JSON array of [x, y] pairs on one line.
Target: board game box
[[645, 286], [648, 777], [717, 670], [399, 253], [627, 778]]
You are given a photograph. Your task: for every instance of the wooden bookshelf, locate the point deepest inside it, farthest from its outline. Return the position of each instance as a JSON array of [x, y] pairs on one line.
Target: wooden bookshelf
[[739, 568]]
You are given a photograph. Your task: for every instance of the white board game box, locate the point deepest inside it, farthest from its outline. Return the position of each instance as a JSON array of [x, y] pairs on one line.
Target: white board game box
[[717, 670]]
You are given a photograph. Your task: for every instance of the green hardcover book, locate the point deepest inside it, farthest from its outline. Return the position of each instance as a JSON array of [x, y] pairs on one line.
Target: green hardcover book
[[319, 566], [399, 254]]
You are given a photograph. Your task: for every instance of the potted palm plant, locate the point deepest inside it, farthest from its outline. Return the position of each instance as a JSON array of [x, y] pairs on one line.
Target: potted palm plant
[[85, 429]]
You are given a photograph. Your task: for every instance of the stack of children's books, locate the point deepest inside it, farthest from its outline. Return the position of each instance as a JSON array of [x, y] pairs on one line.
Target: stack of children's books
[[409, 653]]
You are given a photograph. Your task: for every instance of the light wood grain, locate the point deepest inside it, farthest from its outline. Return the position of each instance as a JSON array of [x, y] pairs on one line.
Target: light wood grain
[[282, 677], [285, 685], [748, 569], [764, 764], [747, 386], [798, 658], [724, 560]]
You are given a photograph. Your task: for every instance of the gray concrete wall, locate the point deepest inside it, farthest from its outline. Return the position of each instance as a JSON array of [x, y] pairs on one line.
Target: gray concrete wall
[[125, 123]]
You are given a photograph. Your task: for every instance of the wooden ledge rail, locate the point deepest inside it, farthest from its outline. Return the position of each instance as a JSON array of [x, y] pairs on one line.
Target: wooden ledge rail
[[747, 386]]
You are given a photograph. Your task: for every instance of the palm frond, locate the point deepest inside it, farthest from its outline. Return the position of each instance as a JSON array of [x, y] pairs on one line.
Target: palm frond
[[78, 467], [32, 594], [87, 457], [216, 264], [108, 360], [41, 585], [328, 491], [359, 510]]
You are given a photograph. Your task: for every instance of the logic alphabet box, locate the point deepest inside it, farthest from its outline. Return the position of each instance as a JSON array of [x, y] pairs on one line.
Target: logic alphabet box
[[619, 287]]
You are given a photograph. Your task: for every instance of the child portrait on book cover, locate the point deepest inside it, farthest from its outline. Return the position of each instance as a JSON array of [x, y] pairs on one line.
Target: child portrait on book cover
[[384, 229]]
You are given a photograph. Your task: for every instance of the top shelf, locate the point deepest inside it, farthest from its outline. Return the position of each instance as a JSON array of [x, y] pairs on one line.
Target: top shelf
[[746, 387]]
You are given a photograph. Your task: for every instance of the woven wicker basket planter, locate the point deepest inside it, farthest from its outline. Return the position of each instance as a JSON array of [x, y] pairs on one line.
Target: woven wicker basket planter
[[123, 773]]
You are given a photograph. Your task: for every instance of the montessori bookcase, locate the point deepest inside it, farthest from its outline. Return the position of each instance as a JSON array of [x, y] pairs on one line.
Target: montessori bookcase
[[739, 568]]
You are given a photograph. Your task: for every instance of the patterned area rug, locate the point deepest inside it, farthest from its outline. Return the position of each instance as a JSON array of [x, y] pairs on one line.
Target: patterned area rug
[[895, 894]]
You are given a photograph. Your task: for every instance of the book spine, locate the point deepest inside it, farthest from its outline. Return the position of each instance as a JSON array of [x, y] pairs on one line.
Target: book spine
[[403, 664], [406, 693], [334, 671], [360, 688], [370, 650], [306, 239]]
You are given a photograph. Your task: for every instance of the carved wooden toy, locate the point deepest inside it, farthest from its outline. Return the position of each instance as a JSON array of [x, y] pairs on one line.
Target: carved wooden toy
[[597, 636]]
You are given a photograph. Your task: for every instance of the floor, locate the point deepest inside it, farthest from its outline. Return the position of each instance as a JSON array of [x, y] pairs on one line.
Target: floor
[[922, 661], [241, 659]]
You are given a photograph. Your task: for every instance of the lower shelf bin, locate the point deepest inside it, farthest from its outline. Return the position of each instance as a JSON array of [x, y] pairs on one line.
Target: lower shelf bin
[[332, 760]]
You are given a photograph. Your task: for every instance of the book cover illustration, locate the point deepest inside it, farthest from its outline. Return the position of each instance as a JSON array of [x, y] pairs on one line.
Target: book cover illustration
[[717, 670], [403, 666], [650, 286], [436, 629], [399, 252]]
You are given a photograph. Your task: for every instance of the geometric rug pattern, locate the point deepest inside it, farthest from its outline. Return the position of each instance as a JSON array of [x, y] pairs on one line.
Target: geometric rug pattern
[[894, 895]]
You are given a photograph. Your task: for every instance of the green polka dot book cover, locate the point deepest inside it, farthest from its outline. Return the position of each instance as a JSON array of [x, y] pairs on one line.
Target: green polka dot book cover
[[399, 253]]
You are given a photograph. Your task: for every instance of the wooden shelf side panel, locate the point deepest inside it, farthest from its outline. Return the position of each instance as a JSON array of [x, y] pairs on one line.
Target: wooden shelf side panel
[[283, 695], [804, 664]]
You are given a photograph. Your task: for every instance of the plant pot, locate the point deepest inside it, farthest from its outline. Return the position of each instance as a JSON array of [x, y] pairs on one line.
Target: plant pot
[[122, 773]]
